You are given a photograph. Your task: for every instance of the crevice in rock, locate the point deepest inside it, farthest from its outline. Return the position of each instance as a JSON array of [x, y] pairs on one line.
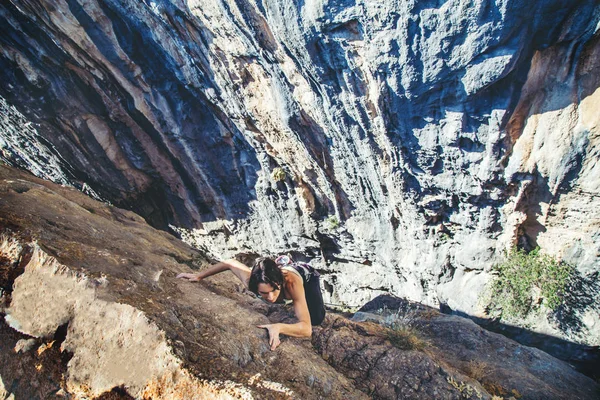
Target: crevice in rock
[[350, 30], [534, 194], [34, 372], [117, 393], [12, 267], [61, 333], [328, 287]]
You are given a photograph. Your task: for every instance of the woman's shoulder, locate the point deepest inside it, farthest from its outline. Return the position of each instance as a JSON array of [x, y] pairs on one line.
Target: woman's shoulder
[[291, 276], [290, 270], [293, 285]]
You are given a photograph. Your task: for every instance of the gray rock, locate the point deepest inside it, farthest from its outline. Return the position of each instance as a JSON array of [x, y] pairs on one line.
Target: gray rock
[[24, 345]]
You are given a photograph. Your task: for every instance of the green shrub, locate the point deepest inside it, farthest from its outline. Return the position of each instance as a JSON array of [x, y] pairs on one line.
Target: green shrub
[[405, 337], [332, 222], [524, 281], [278, 174]]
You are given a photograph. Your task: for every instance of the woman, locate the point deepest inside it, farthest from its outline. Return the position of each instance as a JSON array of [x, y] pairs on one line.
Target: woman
[[276, 282]]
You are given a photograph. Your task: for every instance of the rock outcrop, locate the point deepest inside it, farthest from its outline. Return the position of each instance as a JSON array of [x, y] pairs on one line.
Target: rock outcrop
[[93, 310], [413, 140]]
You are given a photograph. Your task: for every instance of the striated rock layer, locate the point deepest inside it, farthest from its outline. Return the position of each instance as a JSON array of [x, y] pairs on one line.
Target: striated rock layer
[[91, 308], [417, 139]]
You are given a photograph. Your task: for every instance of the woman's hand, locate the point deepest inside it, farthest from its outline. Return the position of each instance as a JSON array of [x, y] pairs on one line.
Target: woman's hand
[[273, 330], [190, 277]]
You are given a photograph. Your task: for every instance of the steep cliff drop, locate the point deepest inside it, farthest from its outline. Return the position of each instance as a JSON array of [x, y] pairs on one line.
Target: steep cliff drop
[[92, 308]]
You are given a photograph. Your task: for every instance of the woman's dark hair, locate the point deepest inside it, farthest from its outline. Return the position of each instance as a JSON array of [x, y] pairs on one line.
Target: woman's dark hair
[[265, 271]]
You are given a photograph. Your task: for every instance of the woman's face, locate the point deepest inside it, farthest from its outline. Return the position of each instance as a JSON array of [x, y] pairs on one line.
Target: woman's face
[[268, 292]]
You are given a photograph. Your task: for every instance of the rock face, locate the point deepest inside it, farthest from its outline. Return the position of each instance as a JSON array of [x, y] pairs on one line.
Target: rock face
[[417, 139], [107, 279], [92, 309]]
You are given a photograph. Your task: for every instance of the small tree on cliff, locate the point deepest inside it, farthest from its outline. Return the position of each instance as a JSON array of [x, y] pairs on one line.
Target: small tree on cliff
[[526, 281]]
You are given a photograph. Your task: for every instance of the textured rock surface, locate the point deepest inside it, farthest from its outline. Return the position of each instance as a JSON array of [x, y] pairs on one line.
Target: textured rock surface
[[418, 138], [95, 287], [108, 280], [480, 354]]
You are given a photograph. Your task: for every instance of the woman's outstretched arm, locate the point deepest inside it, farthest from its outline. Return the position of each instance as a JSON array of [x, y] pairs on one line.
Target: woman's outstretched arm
[[240, 270]]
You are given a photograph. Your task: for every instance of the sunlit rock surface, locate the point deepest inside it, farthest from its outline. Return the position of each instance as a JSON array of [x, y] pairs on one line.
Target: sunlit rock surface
[[419, 139], [91, 308], [101, 283]]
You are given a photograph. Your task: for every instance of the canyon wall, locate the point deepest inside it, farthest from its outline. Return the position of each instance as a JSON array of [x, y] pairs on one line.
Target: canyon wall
[[401, 145]]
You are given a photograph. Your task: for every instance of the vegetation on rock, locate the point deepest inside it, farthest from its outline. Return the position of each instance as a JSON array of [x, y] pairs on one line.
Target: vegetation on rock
[[525, 281], [278, 174], [332, 222], [405, 338]]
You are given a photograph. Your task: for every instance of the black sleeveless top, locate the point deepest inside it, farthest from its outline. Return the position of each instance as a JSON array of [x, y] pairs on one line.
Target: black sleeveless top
[[312, 290]]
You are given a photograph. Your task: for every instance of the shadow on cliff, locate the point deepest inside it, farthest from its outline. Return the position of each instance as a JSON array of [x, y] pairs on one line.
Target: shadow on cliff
[[212, 159], [201, 167], [173, 156], [555, 87], [584, 358], [429, 103]]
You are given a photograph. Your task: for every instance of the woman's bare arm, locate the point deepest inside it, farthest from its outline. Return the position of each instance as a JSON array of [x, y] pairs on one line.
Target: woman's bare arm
[[240, 270], [303, 327]]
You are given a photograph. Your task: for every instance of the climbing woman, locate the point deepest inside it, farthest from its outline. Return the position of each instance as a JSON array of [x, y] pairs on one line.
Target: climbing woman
[[277, 281]]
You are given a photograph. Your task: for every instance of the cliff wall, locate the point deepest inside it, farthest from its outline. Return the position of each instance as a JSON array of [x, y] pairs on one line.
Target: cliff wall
[[412, 141]]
